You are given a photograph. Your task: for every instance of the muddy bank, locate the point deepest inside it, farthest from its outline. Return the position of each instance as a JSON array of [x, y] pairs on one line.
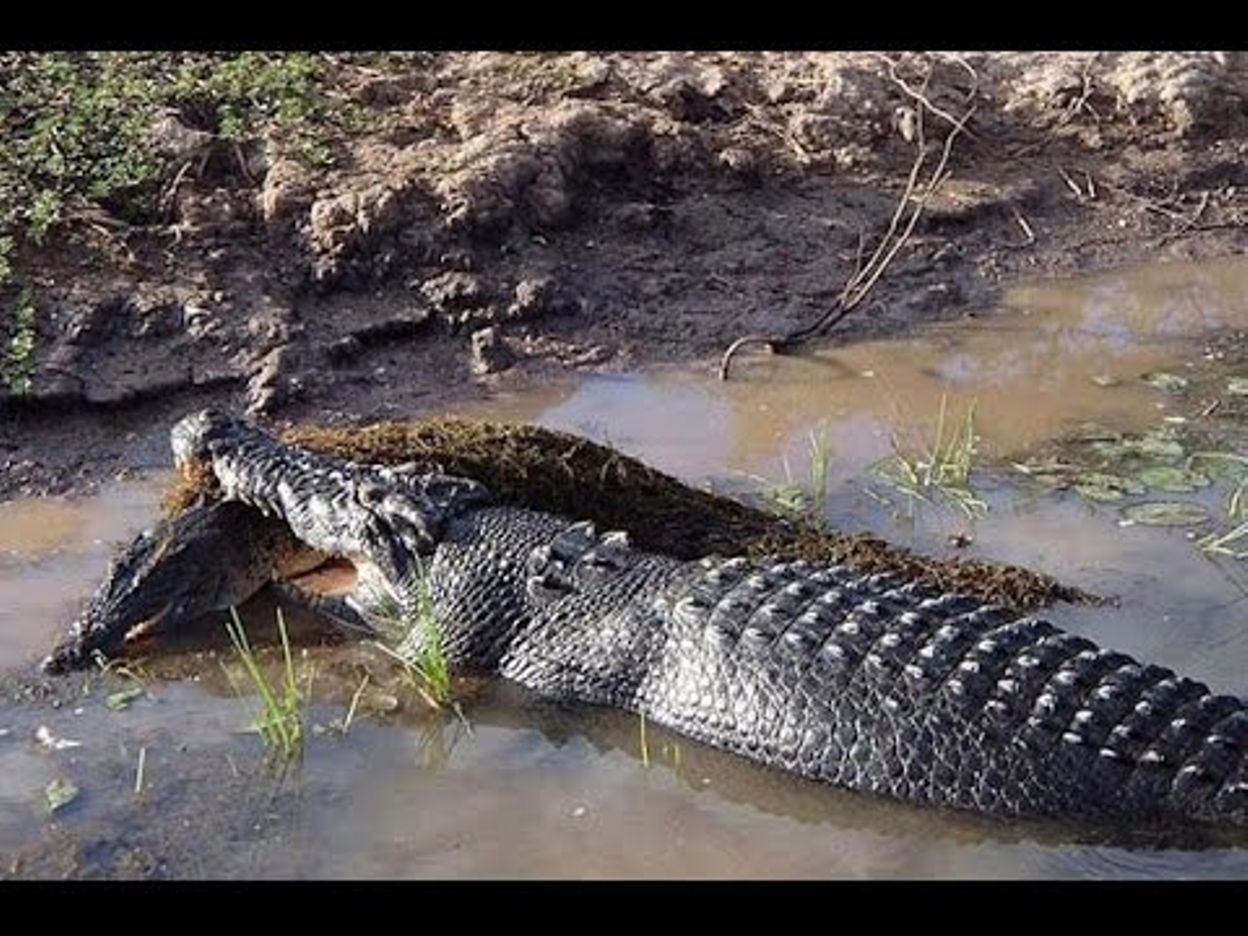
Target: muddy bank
[[505, 218]]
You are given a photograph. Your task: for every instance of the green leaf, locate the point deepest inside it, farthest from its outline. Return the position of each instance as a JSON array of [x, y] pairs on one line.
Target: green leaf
[[1102, 486], [1171, 478], [1166, 513], [60, 793]]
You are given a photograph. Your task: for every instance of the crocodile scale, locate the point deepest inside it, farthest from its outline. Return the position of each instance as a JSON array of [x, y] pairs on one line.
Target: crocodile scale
[[869, 682], [866, 682]]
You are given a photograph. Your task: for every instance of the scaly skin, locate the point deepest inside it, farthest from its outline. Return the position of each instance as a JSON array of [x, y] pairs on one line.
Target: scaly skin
[[866, 682]]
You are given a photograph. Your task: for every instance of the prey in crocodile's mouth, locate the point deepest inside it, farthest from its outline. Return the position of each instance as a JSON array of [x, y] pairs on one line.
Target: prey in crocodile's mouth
[[332, 577]]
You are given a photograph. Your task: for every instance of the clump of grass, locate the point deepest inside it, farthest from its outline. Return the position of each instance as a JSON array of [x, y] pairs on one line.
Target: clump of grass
[[78, 126], [280, 720], [820, 467], [788, 499], [793, 499], [938, 467], [424, 655]]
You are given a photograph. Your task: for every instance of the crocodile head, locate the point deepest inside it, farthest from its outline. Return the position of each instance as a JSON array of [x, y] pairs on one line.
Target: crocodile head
[[284, 512], [193, 437]]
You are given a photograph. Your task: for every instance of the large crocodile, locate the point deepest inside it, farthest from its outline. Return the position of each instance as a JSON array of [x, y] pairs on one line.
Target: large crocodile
[[865, 681]]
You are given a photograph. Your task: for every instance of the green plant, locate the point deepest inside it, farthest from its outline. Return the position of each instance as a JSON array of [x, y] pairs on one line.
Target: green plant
[[794, 499], [820, 466], [80, 127], [939, 466], [787, 498], [280, 719], [18, 365], [419, 634]]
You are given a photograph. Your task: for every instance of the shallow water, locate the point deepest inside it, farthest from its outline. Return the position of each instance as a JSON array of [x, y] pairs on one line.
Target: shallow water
[[535, 791]]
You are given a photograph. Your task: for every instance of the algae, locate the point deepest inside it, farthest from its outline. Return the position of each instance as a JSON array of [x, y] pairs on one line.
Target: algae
[[558, 472]]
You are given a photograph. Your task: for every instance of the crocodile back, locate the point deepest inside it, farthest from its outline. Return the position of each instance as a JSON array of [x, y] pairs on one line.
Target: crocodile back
[[866, 682], [890, 688]]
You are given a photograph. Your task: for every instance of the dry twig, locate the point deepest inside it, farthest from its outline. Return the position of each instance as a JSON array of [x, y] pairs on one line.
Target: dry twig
[[914, 199], [921, 94], [1022, 223]]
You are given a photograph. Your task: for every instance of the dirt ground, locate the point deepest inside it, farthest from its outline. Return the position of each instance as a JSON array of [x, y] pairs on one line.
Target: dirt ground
[[519, 216]]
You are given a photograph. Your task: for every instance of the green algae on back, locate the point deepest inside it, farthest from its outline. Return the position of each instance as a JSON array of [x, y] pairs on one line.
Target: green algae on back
[[562, 473]]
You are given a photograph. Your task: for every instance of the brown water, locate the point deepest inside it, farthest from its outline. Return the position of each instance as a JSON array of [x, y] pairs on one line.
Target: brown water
[[535, 791]]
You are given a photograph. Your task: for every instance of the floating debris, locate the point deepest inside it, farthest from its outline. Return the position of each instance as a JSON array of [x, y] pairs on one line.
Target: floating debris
[[1222, 544], [119, 701], [1106, 380], [60, 793], [1165, 513], [1168, 383], [138, 773], [45, 737]]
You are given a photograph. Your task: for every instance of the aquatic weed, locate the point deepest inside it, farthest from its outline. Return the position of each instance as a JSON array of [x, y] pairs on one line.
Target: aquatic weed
[[791, 498], [939, 466], [820, 469], [280, 720]]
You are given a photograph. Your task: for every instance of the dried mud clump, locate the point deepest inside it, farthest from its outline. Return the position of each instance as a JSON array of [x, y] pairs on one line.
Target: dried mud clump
[[565, 474], [1178, 93]]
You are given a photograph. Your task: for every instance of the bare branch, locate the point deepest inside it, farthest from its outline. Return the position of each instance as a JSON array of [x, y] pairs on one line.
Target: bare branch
[[897, 234]]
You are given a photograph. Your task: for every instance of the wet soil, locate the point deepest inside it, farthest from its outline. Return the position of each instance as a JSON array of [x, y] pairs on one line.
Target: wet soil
[[514, 218]]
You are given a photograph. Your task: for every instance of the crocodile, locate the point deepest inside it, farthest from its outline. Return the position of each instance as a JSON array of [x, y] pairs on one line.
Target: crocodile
[[872, 682]]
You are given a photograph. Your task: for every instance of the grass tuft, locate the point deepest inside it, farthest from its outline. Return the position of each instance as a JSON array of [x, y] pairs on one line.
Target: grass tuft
[[424, 655], [791, 498], [939, 467], [280, 719]]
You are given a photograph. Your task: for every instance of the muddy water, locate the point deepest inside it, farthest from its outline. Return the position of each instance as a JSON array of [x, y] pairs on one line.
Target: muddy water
[[532, 790]]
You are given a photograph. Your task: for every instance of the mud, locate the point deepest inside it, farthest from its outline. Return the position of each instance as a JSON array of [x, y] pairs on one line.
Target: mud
[[597, 212]]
